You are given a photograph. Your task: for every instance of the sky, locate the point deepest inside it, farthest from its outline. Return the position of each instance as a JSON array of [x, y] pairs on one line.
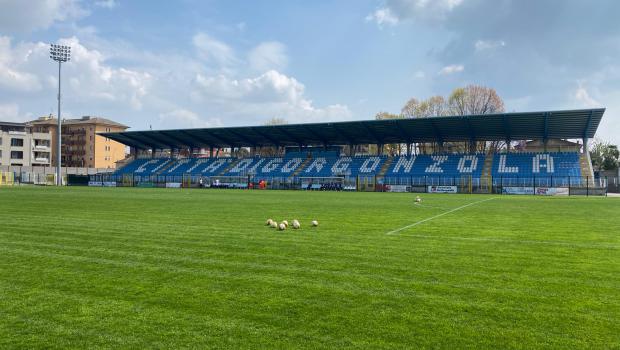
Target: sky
[[207, 63]]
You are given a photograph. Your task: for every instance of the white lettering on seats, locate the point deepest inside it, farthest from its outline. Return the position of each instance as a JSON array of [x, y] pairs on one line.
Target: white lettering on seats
[[160, 166], [503, 169], [317, 164], [272, 165], [216, 165], [178, 164], [291, 165], [548, 164], [241, 165], [341, 165], [142, 168], [436, 166], [199, 162], [405, 163], [252, 170], [367, 167], [473, 164]]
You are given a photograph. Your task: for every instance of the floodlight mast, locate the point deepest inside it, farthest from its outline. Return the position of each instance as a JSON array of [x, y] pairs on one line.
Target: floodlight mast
[[60, 54]]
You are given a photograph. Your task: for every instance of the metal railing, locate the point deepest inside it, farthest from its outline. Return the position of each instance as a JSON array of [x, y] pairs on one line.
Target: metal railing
[[463, 184]]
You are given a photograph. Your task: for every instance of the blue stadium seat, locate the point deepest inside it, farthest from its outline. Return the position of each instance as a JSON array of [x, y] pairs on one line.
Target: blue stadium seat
[[563, 164], [454, 165], [329, 164]]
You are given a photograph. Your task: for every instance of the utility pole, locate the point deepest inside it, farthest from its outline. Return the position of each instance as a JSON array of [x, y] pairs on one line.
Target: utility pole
[[60, 54]]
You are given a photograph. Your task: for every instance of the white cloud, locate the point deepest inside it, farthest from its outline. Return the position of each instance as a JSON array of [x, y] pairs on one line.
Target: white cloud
[[15, 63], [109, 4], [26, 16], [382, 16], [213, 50], [115, 79], [397, 11], [451, 69], [482, 45], [10, 113], [268, 55], [584, 99], [27, 71], [183, 118], [90, 77], [271, 94]]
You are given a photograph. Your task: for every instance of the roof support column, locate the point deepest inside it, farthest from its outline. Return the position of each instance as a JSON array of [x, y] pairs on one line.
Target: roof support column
[[585, 132]]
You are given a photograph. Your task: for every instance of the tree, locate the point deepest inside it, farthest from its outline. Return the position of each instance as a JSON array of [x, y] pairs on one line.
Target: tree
[[276, 121], [604, 155], [272, 151], [432, 107], [471, 99], [475, 99], [393, 148]]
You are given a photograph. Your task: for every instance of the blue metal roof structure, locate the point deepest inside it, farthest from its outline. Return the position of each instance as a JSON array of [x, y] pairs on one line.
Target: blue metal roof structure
[[562, 124]]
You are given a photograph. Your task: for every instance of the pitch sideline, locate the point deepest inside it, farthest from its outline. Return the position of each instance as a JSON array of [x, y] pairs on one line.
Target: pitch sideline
[[439, 215]]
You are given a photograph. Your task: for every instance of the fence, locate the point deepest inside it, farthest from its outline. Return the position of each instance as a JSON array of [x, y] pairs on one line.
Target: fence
[[445, 184]]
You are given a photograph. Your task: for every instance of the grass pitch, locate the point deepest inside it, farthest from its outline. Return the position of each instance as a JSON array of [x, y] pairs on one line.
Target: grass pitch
[[156, 268]]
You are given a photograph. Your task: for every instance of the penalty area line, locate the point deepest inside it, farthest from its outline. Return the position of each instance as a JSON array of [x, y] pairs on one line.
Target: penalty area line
[[439, 215]]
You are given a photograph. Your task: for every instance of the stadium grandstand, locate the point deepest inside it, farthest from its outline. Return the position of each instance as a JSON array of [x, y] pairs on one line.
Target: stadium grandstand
[[535, 155]]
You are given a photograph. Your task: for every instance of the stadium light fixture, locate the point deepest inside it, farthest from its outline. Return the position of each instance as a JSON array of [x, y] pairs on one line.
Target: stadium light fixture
[[60, 54]]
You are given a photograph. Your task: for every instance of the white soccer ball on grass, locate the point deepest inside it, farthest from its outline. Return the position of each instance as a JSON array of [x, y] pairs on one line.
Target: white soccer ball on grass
[[282, 227], [285, 222], [273, 224], [315, 223], [269, 221], [296, 224]]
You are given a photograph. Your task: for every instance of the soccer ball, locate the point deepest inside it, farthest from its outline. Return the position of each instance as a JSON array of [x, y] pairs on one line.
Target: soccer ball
[[418, 199], [296, 224], [269, 221], [282, 227], [315, 223], [273, 224], [285, 223]]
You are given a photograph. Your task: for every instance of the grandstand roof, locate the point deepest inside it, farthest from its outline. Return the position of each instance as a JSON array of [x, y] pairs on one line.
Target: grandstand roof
[[566, 124]]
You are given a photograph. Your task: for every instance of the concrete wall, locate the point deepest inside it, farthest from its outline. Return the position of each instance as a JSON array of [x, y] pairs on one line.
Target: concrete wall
[[52, 170]]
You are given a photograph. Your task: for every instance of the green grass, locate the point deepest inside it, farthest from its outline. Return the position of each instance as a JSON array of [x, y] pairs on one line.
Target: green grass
[[155, 268]]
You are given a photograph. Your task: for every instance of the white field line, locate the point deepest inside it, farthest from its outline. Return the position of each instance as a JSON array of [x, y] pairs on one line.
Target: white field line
[[439, 215], [516, 241]]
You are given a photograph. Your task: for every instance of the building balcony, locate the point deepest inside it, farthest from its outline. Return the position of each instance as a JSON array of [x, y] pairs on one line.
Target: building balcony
[[42, 148], [42, 136], [41, 160]]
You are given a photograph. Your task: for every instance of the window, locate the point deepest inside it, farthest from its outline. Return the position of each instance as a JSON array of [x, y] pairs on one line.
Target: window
[[17, 155], [17, 143]]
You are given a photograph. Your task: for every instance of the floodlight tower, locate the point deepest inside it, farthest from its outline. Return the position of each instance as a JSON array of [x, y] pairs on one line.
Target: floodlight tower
[[60, 54]]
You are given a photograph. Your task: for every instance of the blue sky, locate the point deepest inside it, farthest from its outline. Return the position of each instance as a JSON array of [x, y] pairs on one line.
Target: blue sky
[[217, 63]]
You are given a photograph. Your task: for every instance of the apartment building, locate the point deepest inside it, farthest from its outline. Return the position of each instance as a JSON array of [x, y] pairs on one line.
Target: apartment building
[[81, 144], [23, 145]]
